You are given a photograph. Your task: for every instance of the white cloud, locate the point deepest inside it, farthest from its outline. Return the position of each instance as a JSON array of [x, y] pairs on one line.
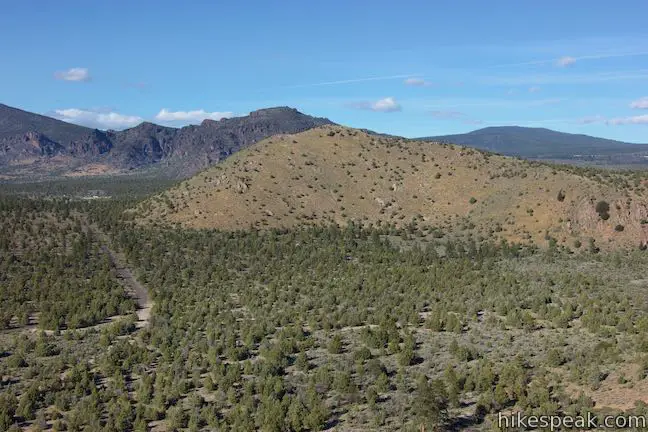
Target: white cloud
[[417, 82], [97, 119], [565, 61], [386, 105], [534, 89], [641, 103], [195, 116], [73, 74]]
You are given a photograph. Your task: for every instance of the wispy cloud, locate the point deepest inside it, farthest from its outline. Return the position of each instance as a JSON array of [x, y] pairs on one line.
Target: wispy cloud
[[534, 89], [569, 60], [386, 105], [611, 55], [461, 103], [591, 120], [74, 74], [538, 79], [641, 103], [353, 80], [454, 116], [526, 63], [98, 119], [139, 85], [473, 122], [417, 82], [616, 121], [447, 115], [634, 120], [565, 61], [529, 123], [195, 116]]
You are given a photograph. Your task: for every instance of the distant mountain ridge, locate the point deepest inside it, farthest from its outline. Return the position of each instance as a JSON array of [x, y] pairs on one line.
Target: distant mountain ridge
[[547, 144], [36, 145]]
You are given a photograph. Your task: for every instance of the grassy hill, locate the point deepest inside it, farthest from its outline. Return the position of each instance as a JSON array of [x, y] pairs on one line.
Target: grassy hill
[[336, 174]]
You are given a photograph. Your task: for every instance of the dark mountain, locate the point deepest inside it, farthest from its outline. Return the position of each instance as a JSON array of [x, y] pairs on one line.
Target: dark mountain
[[540, 143], [197, 147], [142, 145], [32, 144], [14, 121]]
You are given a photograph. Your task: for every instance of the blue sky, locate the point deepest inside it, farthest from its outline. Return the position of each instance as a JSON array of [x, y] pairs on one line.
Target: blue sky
[[411, 68]]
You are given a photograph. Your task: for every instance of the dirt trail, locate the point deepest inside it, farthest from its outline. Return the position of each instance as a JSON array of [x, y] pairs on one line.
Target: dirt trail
[[129, 282], [124, 276]]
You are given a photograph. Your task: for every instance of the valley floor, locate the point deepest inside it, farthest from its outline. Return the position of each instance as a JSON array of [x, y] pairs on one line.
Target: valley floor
[[312, 328]]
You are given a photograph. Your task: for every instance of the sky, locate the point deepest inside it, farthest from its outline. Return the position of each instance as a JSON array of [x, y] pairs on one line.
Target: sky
[[410, 68]]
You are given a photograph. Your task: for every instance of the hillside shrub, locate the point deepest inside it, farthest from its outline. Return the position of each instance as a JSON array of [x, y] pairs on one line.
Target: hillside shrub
[[603, 210]]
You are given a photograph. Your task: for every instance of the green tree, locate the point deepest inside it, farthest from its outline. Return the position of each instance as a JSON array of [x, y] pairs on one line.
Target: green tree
[[431, 403], [8, 405]]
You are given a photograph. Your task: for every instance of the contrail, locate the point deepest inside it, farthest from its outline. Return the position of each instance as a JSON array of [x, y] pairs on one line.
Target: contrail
[[602, 56], [349, 81], [586, 57]]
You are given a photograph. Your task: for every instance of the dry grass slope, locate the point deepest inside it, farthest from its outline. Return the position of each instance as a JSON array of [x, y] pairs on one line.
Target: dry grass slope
[[336, 174]]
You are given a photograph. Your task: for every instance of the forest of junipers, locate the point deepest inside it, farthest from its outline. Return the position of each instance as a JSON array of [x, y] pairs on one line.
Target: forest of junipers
[[312, 328]]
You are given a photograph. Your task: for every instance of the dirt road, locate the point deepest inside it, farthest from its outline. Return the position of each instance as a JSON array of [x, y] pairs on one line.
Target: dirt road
[[129, 282]]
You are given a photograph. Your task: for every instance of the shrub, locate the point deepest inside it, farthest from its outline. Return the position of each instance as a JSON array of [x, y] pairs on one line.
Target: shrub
[[472, 200], [555, 358], [406, 357], [335, 346], [592, 246], [619, 228], [363, 354], [603, 210]]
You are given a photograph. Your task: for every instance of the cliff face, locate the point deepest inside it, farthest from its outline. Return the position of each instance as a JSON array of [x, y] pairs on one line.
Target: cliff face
[[91, 145], [28, 139], [27, 147]]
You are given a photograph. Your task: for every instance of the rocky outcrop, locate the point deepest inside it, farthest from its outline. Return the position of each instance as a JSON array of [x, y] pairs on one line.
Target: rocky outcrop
[[91, 145], [626, 215], [25, 148]]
